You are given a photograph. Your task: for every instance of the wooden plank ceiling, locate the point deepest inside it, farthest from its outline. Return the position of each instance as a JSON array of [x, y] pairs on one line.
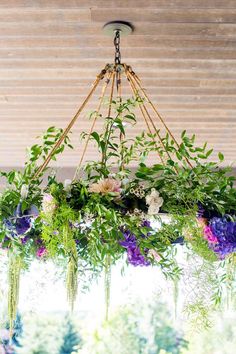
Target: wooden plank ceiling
[[51, 50]]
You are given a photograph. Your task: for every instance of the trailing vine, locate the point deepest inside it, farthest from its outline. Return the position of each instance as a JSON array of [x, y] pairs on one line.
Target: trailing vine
[[111, 212]]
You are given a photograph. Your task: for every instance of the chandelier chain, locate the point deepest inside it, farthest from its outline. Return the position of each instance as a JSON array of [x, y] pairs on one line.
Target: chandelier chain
[[117, 47]]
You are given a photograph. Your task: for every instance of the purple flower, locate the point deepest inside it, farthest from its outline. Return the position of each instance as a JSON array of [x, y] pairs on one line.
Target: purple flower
[[23, 225], [18, 225], [24, 240], [41, 252], [201, 211], [135, 257], [224, 231], [146, 223], [130, 239]]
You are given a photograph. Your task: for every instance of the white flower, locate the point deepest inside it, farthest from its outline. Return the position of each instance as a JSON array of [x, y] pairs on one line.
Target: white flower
[[154, 201], [48, 203], [154, 198], [24, 191]]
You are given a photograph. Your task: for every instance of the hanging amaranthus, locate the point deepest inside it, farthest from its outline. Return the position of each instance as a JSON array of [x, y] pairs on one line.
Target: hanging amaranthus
[[107, 284], [15, 266], [72, 277]]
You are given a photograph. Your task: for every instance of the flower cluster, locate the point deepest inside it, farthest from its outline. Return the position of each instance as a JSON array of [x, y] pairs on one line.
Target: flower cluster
[[105, 186], [221, 236], [21, 223], [137, 190], [154, 201], [135, 257]]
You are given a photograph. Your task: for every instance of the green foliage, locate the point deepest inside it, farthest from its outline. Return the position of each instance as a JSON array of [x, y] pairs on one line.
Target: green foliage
[[71, 339], [42, 335], [86, 223], [165, 336], [137, 329]]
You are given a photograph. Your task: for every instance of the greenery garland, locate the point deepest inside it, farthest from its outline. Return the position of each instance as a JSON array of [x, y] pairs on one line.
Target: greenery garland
[[110, 212]]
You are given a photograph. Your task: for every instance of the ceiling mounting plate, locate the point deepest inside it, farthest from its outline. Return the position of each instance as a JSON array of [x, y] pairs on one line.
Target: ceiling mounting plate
[[125, 28]]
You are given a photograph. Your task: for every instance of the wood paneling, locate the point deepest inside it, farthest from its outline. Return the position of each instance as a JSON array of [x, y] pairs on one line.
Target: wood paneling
[[51, 51]]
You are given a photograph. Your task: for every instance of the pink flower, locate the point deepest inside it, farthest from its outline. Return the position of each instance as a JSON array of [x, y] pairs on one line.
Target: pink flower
[[41, 252], [208, 235], [105, 186]]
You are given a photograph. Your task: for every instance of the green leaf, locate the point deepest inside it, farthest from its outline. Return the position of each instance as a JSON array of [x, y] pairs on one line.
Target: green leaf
[[130, 117], [11, 176], [201, 156], [221, 156], [51, 129], [96, 137], [158, 167], [209, 152], [170, 162]]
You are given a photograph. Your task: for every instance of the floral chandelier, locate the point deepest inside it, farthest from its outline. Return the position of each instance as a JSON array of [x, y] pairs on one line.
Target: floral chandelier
[[108, 212]]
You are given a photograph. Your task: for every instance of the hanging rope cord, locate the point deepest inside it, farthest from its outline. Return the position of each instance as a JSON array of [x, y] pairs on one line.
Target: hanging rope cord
[[70, 125], [111, 77], [136, 82], [96, 116], [135, 92]]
